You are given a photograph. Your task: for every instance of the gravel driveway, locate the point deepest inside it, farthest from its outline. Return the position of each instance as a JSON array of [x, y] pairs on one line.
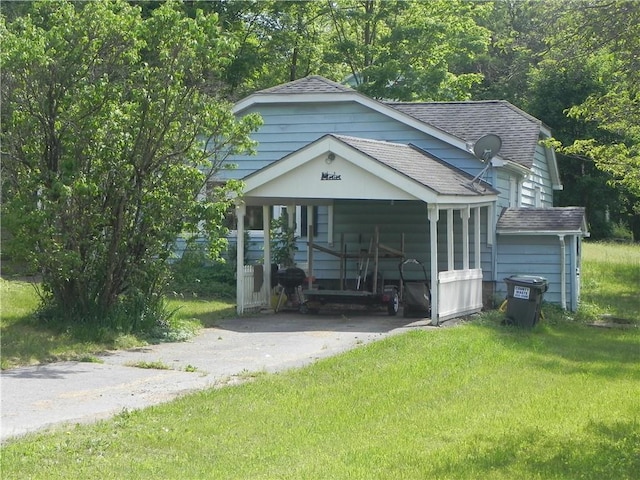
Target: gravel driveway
[[38, 397]]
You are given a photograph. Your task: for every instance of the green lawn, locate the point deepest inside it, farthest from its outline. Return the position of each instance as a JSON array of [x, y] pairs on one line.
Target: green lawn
[[26, 341], [476, 401], [611, 280]]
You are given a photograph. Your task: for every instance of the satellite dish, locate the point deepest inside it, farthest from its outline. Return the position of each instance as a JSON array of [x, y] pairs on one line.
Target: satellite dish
[[487, 147]]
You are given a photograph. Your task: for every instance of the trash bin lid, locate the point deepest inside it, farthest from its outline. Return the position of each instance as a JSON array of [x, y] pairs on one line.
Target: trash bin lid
[[527, 280]]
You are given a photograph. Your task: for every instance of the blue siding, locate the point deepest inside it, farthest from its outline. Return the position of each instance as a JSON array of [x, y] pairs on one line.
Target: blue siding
[[288, 128], [538, 255], [539, 179]]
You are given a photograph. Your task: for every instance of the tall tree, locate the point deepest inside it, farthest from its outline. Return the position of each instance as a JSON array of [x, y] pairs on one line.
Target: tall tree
[[409, 50], [609, 33], [104, 156], [519, 30]]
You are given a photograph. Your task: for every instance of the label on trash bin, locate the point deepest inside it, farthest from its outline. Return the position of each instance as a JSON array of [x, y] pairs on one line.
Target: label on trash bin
[[521, 292]]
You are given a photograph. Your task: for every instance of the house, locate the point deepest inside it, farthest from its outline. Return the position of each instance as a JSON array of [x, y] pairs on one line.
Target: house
[[347, 168]]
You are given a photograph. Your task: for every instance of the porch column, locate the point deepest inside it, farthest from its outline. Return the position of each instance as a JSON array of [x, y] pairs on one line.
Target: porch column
[[433, 237], [476, 237], [450, 252], [563, 273], [241, 210], [266, 227], [465, 214]]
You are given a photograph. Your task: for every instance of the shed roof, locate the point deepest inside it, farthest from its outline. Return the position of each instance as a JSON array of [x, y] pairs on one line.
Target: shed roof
[[514, 221]]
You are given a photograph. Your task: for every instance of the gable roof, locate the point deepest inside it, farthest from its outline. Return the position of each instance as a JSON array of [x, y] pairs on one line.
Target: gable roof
[[368, 169], [518, 130], [420, 166], [542, 221], [457, 123]]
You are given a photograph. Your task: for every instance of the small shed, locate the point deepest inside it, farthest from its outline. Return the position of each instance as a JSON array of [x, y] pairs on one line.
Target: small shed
[[534, 241]]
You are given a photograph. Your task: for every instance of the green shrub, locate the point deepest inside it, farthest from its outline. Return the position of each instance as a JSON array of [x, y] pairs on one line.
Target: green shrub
[[196, 276]]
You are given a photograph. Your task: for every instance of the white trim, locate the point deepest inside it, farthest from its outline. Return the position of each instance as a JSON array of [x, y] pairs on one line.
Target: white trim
[[465, 214], [540, 232], [433, 216], [563, 273], [450, 241], [240, 211]]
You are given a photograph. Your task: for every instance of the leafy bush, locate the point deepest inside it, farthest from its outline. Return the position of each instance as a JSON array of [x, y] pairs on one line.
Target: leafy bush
[[195, 275]]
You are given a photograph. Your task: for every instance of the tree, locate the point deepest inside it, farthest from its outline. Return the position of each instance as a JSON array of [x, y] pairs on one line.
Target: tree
[[409, 50], [609, 33], [518, 43], [110, 131]]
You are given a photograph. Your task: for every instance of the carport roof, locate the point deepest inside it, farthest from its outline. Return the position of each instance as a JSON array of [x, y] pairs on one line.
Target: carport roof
[[364, 169], [420, 166]]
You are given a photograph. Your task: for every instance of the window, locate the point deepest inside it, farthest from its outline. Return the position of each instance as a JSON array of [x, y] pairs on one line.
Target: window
[[301, 218], [253, 220]]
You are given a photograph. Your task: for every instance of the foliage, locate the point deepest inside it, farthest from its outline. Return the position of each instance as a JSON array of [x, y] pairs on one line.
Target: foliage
[[409, 50], [103, 113], [485, 402], [197, 276], [609, 33], [283, 242]]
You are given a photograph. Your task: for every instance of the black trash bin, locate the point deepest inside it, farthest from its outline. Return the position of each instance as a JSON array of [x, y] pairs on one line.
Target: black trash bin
[[524, 299]]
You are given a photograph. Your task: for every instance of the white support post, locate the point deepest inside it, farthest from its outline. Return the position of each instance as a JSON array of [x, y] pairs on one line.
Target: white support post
[[476, 237], [450, 242], [266, 227], [563, 273], [433, 236], [465, 214], [241, 210]]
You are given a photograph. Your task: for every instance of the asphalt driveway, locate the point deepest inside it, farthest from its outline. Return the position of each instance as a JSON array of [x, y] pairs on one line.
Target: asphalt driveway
[[39, 397]]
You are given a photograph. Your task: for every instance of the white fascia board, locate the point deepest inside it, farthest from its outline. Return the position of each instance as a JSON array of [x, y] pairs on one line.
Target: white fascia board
[[284, 98], [540, 232], [515, 168]]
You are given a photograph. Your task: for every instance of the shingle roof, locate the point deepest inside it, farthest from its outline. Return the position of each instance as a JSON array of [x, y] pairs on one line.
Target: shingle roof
[[420, 166], [469, 121], [528, 220], [311, 84]]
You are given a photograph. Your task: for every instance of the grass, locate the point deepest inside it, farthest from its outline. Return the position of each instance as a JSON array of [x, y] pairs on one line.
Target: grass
[[25, 341], [477, 401], [611, 280], [156, 365]]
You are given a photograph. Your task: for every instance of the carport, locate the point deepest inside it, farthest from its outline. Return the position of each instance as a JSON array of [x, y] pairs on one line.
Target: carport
[[336, 167]]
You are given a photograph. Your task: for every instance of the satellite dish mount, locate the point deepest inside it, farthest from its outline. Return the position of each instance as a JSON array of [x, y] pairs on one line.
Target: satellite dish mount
[[485, 149]]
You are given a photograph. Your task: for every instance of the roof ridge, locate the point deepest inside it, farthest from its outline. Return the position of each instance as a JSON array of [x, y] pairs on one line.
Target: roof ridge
[[307, 79], [445, 102]]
